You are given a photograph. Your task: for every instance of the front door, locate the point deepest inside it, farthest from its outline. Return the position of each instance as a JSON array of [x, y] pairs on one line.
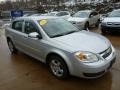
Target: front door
[[34, 47]]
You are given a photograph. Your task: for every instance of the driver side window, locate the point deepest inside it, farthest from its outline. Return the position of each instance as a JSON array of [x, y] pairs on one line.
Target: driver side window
[[30, 27]]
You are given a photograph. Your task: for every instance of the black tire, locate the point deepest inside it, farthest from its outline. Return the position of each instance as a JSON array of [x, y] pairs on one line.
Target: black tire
[[62, 72], [86, 26], [11, 46], [97, 24]]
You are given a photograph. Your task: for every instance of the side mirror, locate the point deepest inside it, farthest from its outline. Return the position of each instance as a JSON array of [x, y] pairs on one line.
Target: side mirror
[[34, 35]]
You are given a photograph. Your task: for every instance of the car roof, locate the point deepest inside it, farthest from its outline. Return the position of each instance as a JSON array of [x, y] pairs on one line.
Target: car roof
[[63, 11], [86, 11], [54, 12], [36, 18]]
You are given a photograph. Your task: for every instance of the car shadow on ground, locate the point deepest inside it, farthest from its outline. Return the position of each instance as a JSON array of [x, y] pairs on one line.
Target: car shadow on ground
[[37, 72], [115, 34], [28, 72]]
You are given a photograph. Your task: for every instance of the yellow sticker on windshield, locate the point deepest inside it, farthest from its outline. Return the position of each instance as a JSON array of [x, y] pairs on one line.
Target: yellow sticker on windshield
[[43, 22]]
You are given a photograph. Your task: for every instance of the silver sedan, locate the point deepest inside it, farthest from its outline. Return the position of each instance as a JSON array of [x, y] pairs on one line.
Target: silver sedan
[[63, 47]]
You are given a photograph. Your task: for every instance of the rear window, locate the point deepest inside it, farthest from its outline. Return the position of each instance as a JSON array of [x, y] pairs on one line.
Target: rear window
[[17, 25]]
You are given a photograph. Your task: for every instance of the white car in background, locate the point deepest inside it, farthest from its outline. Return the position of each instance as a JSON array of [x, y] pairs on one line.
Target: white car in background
[[1, 23], [62, 14], [111, 22], [85, 18], [36, 14]]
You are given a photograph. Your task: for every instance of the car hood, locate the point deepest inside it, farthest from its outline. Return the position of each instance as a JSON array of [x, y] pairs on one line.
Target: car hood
[[112, 19], [83, 41], [77, 19]]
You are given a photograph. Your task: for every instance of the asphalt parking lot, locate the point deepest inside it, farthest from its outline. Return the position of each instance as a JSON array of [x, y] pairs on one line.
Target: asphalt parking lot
[[21, 72]]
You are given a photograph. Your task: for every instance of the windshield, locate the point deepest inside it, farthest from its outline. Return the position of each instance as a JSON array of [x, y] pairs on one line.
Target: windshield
[[81, 14], [57, 27], [114, 14]]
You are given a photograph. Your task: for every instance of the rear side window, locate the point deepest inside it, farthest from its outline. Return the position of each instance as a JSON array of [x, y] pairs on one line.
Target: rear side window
[[59, 14], [62, 14], [65, 13], [17, 25]]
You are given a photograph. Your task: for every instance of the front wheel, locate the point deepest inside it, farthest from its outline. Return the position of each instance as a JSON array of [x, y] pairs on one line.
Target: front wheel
[[97, 24], [58, 67], [11, 46], [86, 26]]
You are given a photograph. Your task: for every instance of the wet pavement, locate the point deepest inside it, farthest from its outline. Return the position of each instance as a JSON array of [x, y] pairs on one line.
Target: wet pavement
[[21, 72]]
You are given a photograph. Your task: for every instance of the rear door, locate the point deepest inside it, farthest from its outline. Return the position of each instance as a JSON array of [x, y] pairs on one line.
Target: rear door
[[17, 34]]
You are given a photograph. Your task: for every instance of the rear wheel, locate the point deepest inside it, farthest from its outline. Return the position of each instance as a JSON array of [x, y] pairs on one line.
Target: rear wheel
[[11, 46], [58, 67], [97, 24]]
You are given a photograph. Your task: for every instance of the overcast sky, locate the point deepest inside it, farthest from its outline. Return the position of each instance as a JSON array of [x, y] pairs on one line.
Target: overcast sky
[[1, 0]]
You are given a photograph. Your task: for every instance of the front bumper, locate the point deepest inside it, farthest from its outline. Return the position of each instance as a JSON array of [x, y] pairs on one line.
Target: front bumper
[[110, 28], [91, 75], [93, 70]]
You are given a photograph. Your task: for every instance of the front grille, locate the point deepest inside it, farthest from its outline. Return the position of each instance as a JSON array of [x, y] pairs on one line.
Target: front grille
[[117, 24], [106, 53], [93, 74], [113, 24], [109, 23]]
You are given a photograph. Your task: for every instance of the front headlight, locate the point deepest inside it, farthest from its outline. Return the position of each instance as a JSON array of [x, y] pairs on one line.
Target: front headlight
[[86, 57]]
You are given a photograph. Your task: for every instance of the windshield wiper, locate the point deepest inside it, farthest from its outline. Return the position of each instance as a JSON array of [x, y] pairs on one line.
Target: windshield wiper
[[57, 35], [70, 32]]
